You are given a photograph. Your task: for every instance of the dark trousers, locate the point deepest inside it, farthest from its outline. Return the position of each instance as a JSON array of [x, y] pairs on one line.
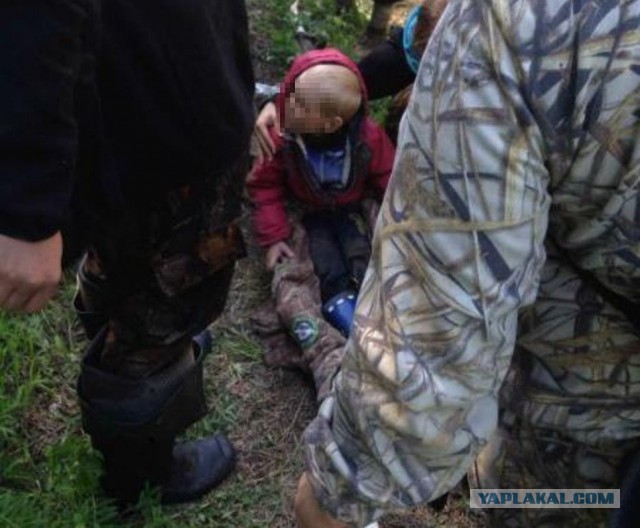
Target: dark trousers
[[384, 69], [161, 278], [340, 249]]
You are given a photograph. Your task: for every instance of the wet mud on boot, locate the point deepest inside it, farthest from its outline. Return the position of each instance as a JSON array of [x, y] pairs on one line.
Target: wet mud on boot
[[198, 466], [134, 423]]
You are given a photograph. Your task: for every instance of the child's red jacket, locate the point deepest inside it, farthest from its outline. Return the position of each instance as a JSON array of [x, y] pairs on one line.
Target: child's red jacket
[[289, 172]]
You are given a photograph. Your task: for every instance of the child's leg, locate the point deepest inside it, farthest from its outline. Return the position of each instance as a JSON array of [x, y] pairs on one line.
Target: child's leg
[[328, 263], [351, 232], [296, 295]]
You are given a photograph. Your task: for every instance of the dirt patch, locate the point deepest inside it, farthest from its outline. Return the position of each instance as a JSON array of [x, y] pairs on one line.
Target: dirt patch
[[274, 405]]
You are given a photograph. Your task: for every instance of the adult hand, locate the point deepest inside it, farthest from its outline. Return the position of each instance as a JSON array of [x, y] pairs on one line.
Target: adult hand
[[267, 120], [29, 272], [308, 511], [277, 253]]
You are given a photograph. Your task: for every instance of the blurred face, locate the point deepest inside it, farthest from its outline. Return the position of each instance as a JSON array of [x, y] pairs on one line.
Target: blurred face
[[305, 117]]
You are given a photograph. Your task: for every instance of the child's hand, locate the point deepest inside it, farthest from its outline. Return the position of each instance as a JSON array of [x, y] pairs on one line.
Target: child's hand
[[267, 119], [277, 253]]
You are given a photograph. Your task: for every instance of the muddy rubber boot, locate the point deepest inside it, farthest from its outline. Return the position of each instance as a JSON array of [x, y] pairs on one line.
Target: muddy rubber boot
[[183, 471], [134, 423], [198, 466]]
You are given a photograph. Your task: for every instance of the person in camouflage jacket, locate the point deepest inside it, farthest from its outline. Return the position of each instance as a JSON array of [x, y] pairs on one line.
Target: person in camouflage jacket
[[496, 331]]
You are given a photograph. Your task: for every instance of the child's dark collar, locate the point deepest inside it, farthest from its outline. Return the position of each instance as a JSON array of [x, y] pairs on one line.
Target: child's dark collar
[[327, 141], [336, 139]]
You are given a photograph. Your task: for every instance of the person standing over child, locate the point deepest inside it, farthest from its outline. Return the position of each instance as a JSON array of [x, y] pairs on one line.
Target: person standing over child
[[129, 121]]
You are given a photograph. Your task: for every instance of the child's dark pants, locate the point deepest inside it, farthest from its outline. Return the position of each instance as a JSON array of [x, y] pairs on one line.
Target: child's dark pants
[[340, 249]]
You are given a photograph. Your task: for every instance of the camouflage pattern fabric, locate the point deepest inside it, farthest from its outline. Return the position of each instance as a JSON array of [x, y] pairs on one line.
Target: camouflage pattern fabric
[[164, 278], [570, 406], [278, 347], [517, 174], [308, 341]]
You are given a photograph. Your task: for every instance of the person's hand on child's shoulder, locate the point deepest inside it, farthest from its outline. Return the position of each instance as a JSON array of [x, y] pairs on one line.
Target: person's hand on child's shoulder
[[277, 253], [263, 146]]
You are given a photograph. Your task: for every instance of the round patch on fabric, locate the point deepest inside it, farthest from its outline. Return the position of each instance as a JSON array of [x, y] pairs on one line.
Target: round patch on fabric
[[304, 331]]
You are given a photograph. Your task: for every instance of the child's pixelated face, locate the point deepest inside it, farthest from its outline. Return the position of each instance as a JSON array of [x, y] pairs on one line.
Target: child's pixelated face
[[304, 115]]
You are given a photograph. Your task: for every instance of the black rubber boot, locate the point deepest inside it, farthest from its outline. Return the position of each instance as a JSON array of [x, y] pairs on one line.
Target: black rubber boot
[[197, 467], [134, 423], [184, 471]]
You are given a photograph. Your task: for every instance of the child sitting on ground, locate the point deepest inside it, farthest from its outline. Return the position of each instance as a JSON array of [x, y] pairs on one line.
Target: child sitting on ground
[[330, 157]]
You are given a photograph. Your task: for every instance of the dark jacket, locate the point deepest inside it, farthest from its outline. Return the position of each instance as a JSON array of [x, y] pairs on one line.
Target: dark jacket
[[289, 171], [106, 105]]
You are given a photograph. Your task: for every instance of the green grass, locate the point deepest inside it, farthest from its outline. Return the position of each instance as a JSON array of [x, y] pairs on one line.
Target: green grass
[[48, 471], [49, 475], [277, 25], [319, 17]]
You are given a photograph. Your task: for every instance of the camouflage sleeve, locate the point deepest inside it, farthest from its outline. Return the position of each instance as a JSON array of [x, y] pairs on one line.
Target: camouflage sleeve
[[458, 248]]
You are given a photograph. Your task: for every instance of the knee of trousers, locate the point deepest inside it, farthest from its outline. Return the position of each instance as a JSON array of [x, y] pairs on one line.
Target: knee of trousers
[[150, 410]]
